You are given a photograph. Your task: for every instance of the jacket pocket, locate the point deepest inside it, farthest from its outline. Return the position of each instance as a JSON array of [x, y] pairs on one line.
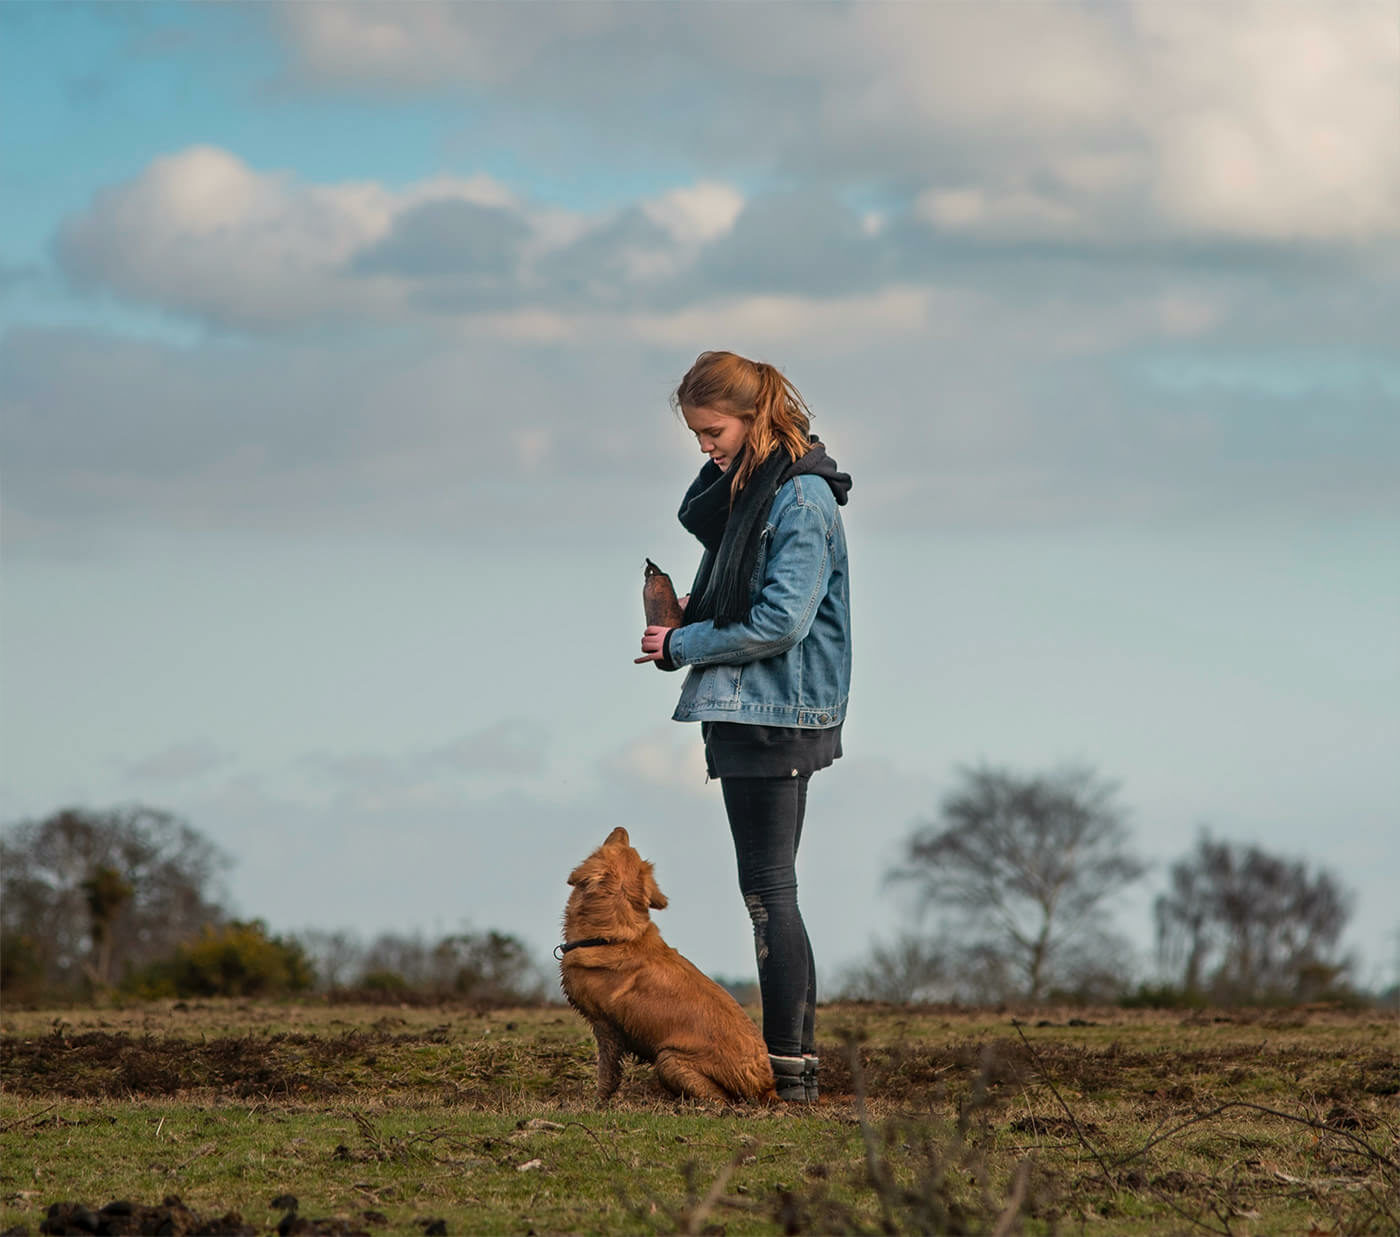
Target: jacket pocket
[[760, 565], [719, 687]]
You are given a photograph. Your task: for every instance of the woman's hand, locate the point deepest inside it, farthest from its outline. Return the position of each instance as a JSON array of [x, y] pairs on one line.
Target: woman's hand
[[653, 644]]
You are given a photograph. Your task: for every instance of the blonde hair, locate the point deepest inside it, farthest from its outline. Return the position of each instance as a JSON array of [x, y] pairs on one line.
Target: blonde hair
[[777, 416]]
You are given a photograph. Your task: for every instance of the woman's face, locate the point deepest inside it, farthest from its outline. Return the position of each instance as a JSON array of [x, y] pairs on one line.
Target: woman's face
[[720, 435]]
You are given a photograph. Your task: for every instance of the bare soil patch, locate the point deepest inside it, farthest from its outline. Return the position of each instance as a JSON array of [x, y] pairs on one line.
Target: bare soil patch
[[1102, 1121], [477, 1066]]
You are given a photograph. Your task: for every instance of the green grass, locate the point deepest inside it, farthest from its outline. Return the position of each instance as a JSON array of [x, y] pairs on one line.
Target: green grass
[[942, 1121], [481, 1172]]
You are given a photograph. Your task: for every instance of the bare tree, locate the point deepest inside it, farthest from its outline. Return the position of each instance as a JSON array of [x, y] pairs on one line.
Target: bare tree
[[491, 968], [107, 894], [906, 971], [97, 892], [1244, 925], [1027, 864], [335, 954]]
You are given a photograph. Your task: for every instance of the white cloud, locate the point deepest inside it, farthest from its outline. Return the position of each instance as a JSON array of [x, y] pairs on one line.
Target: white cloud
[[178, 762], [534, 446], [1014, 213], [1006, 73], [407, 45], [667, 758], [701, 212], [758, 322], [1252, 120], [526, 326], [202, 233], [1276, 122], [513, 745], [1187, 312], [1259, 122], [514, 749], [1027, 369], [1098, 131]]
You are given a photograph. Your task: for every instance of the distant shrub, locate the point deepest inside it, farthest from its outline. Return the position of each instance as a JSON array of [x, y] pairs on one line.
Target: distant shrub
[[744, 990], [484, 969], [1162, 996], [383, 981], [233, 959], [21, 968], [1326, 986], [103, 893], [906, 971], [489, 968], [1328, 983]]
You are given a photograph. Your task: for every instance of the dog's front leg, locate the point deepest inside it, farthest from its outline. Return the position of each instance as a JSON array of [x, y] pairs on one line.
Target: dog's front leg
[[609, 1059]]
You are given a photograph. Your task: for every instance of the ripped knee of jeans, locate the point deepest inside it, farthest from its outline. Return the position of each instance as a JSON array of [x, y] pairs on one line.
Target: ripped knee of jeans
[[758, 912]]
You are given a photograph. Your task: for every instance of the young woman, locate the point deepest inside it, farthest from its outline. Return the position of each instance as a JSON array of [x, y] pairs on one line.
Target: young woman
[[767, 638]]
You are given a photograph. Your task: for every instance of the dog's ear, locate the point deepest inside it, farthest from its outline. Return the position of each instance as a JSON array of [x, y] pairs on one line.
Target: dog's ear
[[639, 885], [655, 898]]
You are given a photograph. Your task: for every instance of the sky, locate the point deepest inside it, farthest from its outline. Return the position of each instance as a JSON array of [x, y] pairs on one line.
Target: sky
[[336, 343]]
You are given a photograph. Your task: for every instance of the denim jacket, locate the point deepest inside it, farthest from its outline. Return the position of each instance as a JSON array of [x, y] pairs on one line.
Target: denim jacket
[[789, 663]]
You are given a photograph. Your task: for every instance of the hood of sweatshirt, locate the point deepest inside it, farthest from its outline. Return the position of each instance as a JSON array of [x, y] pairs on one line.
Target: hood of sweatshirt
[[817, 463]]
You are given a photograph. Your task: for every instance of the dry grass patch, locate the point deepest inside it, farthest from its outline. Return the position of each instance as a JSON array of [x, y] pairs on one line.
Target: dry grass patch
[[931, 1121]]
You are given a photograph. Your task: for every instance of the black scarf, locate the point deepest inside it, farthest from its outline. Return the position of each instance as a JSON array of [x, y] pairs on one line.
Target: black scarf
[[731, 535]]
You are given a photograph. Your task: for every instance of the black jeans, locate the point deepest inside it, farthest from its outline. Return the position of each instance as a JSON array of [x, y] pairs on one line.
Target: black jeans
[[765, 817]]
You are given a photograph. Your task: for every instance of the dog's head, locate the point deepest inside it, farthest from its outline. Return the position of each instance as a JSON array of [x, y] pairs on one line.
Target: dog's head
[[616, 879]]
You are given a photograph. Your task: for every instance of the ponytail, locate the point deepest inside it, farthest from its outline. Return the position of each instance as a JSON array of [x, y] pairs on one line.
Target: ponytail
[[777, 416]]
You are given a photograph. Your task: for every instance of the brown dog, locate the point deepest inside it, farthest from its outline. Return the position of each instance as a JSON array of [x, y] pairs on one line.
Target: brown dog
[[643, 997]]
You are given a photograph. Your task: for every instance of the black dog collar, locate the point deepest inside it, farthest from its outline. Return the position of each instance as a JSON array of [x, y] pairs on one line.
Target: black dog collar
[[561, 950]]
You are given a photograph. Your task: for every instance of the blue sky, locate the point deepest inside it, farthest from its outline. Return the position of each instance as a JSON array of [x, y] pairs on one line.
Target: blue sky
[[337, 342]]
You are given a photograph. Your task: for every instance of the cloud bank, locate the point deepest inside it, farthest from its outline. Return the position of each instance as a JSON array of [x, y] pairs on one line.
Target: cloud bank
[[1254, 121]]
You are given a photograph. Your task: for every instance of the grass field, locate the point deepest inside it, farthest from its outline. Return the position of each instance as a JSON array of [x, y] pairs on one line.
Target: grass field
[[428, 1120]]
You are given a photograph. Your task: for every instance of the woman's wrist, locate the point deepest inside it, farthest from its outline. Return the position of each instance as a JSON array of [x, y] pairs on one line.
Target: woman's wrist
[[665, 661]]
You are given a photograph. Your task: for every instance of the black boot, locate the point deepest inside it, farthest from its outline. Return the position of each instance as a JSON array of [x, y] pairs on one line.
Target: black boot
[[811, 1063], [788, 1078]]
